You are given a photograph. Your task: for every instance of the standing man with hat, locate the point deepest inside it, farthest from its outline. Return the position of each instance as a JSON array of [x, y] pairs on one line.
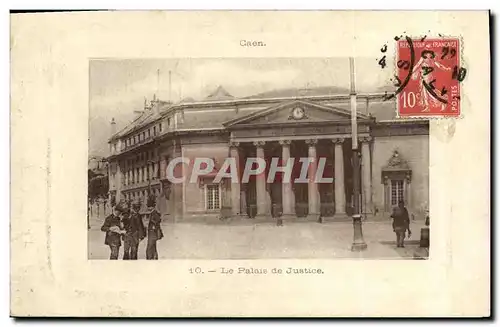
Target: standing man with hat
[[401, 223], [135, 232], [114, 229], [154, 229]]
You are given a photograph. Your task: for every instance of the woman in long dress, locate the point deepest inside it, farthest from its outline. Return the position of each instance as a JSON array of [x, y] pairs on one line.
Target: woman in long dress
[[423, 71]]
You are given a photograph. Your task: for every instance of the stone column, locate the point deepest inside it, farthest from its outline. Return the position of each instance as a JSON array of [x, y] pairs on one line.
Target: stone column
[[339, 177], [235, 185], [286, 185], [313, 193], [407, 199], [118, 182], [262, 207], [366, 174], [243, 203]]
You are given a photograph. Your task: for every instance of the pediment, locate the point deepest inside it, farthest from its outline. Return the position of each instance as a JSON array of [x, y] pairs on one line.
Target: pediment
[[293, 112], [397, 168], [396, 163]]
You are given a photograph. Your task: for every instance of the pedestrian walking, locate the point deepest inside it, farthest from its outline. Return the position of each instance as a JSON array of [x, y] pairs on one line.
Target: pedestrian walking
[[134, 231], [401, 223], [114, 229], [154, 231]]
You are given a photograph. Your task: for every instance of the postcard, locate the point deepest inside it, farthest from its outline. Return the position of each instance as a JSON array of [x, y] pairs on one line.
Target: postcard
[[250, 164]]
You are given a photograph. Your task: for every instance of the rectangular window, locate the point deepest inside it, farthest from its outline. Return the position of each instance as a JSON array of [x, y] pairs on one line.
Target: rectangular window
[[149, 132], [397, 191], [168, 122], [154, 130], [213, 197], [160, 126]]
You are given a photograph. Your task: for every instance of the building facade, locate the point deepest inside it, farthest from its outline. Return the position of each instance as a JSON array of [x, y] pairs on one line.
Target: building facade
[[394, 156]]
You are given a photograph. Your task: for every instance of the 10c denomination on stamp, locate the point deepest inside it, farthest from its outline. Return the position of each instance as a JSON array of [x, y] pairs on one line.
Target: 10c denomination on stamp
[[430, 73]]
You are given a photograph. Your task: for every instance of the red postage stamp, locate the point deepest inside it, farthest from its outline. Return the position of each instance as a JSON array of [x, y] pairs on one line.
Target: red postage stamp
[[429, 75]]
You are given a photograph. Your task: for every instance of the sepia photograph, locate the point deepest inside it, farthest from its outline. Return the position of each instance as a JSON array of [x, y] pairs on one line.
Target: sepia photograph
[[253, 158]]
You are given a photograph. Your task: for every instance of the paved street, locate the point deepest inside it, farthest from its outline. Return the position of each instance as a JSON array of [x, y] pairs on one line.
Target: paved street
[[301, 240]]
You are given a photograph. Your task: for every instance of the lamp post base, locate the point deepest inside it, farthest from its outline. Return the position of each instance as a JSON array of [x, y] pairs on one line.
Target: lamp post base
[[357, 247], [358, 243]]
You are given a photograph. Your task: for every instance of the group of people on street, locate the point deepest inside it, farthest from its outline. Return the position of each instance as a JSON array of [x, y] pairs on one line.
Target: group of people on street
[[126, 224]]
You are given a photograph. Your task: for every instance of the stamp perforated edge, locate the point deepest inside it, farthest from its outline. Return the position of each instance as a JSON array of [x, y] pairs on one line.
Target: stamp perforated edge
[[395, 67]]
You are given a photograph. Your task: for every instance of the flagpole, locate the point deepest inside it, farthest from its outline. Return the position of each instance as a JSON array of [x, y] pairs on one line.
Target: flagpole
[[358, 243]]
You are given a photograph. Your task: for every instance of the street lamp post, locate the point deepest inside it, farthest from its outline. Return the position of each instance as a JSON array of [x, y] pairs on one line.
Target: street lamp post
[[358, 243]]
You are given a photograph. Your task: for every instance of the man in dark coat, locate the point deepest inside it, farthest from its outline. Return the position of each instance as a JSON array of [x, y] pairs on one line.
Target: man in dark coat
[[135, 232], [401, 223], [113, 228], [154, 230]]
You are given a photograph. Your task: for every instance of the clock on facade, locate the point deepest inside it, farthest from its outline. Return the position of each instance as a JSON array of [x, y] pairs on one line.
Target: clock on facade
[[298, 113]]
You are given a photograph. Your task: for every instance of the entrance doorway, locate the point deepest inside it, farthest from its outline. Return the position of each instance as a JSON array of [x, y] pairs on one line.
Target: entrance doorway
[[274, 150], [299, 149]]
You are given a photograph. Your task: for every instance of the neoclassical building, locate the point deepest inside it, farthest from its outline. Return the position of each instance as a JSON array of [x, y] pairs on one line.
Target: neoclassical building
[[313, 123]]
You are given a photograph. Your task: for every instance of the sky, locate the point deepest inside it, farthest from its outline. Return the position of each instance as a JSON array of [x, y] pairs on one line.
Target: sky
[[118, 87]]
